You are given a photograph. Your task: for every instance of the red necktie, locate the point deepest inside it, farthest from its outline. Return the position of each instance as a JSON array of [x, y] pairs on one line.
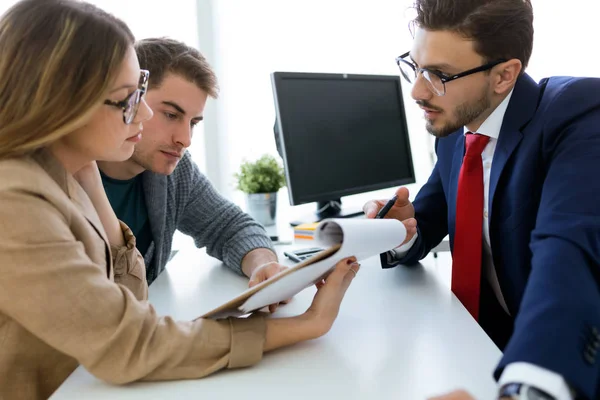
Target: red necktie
[[466, 252]]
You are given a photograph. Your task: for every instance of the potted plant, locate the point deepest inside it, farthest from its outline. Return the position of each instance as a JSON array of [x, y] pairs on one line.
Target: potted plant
[[261, 180]]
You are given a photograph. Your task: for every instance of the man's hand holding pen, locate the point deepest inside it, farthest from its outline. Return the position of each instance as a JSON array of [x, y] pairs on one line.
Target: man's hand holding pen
[[400, 208]]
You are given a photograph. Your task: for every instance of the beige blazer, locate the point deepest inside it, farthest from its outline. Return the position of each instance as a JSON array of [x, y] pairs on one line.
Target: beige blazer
[[66, 298]]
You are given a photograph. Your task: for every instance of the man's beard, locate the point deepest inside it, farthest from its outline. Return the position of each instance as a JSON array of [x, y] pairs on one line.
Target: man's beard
[[146, 160], [464, 114], [141, 159]]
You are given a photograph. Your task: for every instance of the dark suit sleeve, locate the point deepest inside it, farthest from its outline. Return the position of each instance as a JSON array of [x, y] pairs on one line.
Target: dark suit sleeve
[[558, 324], [431, 212]]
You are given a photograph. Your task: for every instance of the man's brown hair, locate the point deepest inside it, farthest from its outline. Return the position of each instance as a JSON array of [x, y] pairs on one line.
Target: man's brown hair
[[501, 29], [162, 56]]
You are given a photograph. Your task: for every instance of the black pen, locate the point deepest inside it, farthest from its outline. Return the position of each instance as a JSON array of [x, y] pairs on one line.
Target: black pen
[[384, 210]]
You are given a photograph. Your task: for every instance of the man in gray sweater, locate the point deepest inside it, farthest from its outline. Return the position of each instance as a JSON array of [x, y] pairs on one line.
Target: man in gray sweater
[[160, 189]]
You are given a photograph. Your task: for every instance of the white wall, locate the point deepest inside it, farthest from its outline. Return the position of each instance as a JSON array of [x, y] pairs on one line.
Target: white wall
[[253, 39], [566, 38], [145, 19]]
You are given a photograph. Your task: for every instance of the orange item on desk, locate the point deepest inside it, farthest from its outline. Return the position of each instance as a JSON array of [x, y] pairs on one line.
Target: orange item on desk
[[305, 231]]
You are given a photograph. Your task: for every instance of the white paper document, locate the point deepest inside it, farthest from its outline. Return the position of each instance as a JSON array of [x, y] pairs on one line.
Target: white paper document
[[341, 238]]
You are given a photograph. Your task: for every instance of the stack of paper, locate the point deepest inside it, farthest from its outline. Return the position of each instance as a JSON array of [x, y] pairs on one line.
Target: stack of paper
[[305, 231]]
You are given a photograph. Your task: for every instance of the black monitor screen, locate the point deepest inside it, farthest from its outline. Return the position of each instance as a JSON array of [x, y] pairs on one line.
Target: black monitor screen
[[341, 134]]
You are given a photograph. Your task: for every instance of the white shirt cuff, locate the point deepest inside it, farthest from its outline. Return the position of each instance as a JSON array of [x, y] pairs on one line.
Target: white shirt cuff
[[401, 251], [540, 378]]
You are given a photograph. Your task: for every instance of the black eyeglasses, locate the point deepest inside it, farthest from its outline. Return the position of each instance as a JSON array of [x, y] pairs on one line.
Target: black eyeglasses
[[437, 80], [131, 103]]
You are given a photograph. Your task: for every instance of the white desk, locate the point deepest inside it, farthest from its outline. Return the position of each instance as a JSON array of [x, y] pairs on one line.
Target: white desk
[[400, 334]]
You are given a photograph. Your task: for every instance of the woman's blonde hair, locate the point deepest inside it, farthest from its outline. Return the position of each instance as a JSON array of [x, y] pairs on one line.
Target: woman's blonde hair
[[57, 60]]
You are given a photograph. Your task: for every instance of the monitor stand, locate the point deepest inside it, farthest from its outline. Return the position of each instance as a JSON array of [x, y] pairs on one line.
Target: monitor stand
[[329, 209]]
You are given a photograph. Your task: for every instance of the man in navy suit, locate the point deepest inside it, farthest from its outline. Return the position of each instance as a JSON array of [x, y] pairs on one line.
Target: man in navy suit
[[516, 187]]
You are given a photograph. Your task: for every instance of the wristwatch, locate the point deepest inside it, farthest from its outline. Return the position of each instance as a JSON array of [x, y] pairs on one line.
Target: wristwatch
[[521, 391]]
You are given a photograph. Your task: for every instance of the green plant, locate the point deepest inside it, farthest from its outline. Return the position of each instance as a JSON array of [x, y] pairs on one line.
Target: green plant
[[265, 175]]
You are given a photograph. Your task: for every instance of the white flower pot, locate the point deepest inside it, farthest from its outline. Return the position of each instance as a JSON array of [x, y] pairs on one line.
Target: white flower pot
[[262, 207]]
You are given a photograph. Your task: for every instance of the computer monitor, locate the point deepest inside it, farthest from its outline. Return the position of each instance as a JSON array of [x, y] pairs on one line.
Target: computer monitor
[[339, 135]]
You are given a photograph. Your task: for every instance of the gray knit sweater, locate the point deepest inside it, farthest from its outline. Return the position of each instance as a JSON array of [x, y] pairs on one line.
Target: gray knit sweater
[[187, 201]]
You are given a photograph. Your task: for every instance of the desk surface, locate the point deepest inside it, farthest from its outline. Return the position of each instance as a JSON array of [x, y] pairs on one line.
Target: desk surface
[[400, 334]]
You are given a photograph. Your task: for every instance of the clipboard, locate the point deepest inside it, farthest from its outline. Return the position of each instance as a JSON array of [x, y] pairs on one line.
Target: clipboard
[[341, 238]]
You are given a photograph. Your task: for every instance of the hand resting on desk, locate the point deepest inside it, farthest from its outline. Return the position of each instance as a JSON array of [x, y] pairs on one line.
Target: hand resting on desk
[[321, 314]]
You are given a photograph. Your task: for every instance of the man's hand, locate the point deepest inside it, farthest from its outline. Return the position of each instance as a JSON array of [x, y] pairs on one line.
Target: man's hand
[[456, 395], [264, 272], [402, 210], [260, 265]]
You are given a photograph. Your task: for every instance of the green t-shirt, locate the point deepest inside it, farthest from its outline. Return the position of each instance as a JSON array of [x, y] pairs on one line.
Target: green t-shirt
[[128, 201]]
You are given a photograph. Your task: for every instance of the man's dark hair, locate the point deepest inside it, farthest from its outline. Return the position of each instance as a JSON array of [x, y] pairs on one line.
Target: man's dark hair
[[162, 56], [501, 29]]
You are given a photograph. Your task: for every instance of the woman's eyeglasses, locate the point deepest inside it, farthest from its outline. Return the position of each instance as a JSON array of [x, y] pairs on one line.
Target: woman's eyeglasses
[[131, 103]]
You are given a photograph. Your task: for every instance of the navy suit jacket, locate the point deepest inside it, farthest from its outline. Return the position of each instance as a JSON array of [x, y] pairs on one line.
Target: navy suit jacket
[[544, 218]]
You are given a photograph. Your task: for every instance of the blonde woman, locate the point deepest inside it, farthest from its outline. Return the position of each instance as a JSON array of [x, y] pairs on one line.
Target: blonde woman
[[72, 284]]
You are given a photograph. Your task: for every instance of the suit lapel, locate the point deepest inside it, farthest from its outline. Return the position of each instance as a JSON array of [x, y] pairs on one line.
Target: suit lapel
[[83, 202], [521, 109], [77, 195]]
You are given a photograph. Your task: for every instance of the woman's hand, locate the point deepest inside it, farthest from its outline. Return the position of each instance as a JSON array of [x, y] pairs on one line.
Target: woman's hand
[[319, 317], [326, 304]]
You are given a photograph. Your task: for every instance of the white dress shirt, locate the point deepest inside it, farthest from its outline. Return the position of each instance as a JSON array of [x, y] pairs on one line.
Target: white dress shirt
[[519, 372]]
